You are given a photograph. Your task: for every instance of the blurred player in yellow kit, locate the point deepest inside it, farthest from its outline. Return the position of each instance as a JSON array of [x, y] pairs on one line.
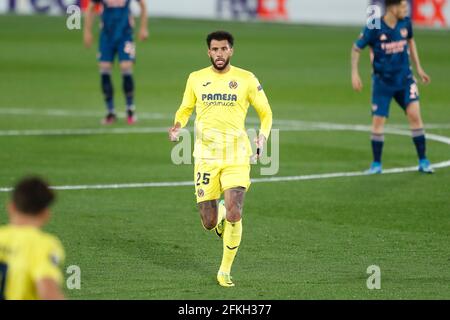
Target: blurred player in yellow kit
[[221, 95], [30, 259]]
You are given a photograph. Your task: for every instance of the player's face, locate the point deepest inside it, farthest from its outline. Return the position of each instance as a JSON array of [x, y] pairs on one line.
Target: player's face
[[220, 54], [402, 10]]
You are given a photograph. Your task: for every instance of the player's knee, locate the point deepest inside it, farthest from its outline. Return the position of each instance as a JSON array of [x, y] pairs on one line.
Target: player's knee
[[126, 68], [105, 68], [415, 119], [208, 213], [378, 126], [234, 212], [209, 222]]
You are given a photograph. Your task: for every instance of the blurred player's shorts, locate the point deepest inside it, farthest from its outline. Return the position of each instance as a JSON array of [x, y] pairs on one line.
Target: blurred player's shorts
[[124, 47], [382, 95]]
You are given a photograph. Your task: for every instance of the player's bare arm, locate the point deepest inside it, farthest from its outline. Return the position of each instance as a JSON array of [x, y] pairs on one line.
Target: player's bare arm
[[356, 79], [143, 31], [48, 289], [415, 58], [88, 21]]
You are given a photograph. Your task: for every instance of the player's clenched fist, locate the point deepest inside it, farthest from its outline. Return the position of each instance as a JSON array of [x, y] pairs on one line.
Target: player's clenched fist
[[259, 141], [143, 34], [356, 82], [174, 132], [426, 79]]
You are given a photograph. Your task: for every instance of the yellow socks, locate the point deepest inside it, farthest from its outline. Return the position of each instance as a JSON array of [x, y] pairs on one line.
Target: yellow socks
[[221, 212], [231, 241]]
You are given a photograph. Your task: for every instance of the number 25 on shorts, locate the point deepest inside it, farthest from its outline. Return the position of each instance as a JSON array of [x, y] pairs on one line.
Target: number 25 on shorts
[[205, 179]]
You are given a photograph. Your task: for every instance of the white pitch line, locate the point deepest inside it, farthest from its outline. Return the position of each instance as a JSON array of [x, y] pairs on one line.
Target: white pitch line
[[162, 116], [433, 137], [75, 114], [312, 126], [80, 132], [256, 180]]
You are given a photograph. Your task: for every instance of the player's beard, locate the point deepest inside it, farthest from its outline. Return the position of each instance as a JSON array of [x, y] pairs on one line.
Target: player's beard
[[226, 63]]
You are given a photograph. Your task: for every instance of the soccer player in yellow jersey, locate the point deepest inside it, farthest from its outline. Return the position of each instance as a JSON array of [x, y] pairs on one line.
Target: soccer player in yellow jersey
[[30, 259], [221, 95]]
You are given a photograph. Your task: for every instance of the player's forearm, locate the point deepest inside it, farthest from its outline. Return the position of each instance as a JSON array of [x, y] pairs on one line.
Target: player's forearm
[[414, 54], [266, 122], [356, 53], [144, 16], [89, 18], [182, 116]]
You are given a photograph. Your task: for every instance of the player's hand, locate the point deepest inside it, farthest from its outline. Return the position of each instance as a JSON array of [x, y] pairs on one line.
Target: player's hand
[[174, 132], [426, 79], [356, 82], [259, 141], [143, 34], [87, 39]]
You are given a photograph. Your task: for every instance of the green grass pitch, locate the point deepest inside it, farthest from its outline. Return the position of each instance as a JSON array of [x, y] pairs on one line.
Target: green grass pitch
[[311, 239]]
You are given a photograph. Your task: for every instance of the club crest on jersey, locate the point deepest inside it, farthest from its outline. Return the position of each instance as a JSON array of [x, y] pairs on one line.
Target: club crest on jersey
[[233, 84], [383, 37], [200, 193], [404, 32]]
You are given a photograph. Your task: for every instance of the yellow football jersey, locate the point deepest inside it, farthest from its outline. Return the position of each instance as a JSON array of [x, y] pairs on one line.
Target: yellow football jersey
[[27, 255], [221, 103]]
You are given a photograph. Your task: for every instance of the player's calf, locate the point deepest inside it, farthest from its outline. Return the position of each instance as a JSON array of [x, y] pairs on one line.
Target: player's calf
[[418, 135], [108, 93], [232, 236], [128, 90], [377, 143]]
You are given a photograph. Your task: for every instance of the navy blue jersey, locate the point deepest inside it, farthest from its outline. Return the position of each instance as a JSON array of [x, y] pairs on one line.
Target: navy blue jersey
[[390, 51], [116, 18]]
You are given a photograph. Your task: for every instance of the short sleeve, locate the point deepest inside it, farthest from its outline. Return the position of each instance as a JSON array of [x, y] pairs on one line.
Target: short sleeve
[[48, 259], [365, 38], [410, 29]]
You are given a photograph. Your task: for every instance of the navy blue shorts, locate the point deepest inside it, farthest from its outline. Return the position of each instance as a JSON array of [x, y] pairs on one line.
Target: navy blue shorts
[[124, 47], [382, 95]]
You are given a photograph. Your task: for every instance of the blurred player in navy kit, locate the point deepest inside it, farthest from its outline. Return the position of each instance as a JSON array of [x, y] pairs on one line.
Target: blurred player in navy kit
[[116, 38], [391, 45]]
